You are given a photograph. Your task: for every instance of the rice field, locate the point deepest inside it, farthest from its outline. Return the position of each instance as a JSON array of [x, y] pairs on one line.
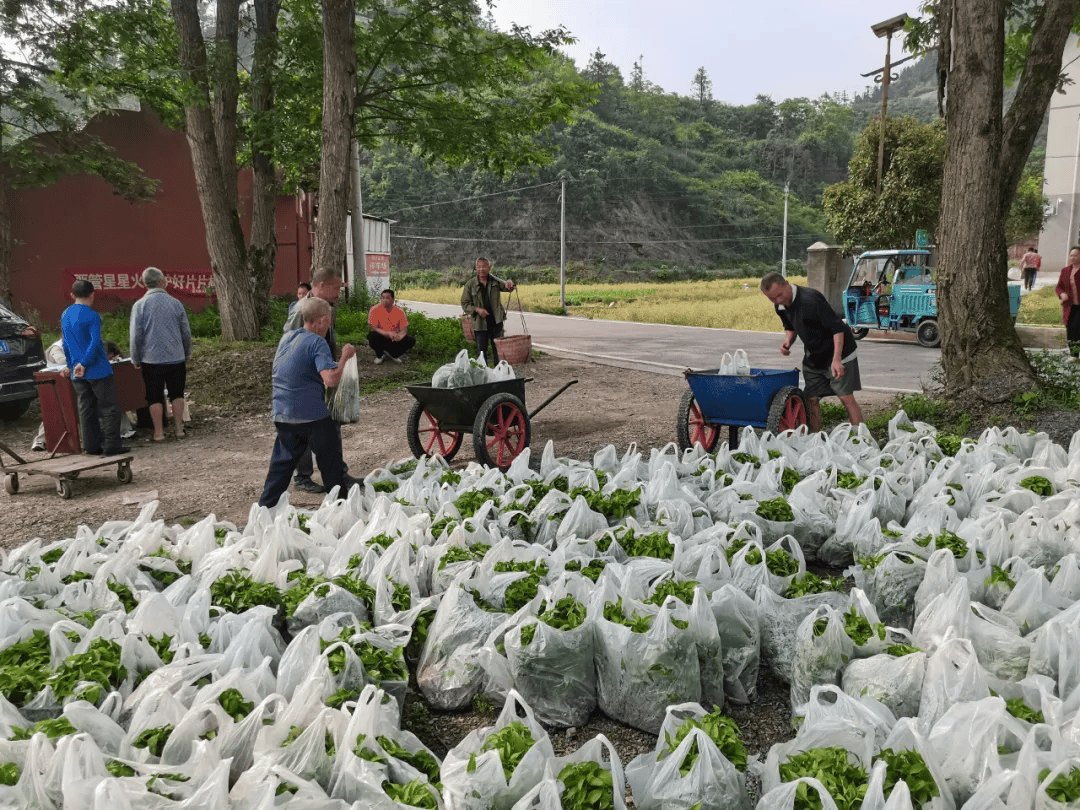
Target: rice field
[[723, 303]]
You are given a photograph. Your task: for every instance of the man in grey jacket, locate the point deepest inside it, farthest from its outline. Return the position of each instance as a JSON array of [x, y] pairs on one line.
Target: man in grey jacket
[[481, 302]]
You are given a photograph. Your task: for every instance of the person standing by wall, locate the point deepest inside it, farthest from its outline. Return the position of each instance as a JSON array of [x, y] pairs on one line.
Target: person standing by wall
[[481, 301], [326, 285], [302, 292], [303, 370], [91, 374], [160, 340], [389, 335], [1029, 267], [1068, 292], [830, 366]]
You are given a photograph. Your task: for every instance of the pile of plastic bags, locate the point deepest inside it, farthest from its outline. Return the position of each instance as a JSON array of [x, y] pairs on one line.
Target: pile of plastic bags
[[145, 665], [465, 371]]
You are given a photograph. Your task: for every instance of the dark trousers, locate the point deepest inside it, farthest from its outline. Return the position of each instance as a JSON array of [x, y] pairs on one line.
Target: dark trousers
[[380, 344], [1072, 330], [323, 438], [305, 465], [485, 342], [99, 414], [1029, 278]]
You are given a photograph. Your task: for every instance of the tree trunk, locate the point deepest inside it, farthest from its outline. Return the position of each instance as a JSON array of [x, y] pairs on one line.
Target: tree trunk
[[224, 237], [979, 347], [7, 243], [227, 90], [262, 252], [339, 89]]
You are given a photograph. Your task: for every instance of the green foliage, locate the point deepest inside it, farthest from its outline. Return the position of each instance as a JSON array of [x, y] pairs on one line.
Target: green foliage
[[909, 767], [811, 583], [232, 701], [100, 664], [1038, 484], [53, 728], [776, 509], [859, 629], [587, 786], [613, 612], [722, 730], [9, 774], [153, 739], [511, 742], [845, 782], [421, 760], [655, 544], [236, 591], [945, 539], [1065, 788], [24, 667], [416, 793], [1017, 708]]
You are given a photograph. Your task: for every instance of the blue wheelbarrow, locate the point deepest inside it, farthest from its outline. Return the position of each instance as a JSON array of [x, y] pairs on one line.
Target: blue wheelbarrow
[[767, 399]]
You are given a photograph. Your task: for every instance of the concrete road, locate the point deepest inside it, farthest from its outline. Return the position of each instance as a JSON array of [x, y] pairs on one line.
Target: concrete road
[[885, 365]]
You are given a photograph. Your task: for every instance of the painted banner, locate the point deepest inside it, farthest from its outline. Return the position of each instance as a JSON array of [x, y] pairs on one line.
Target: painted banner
[[126, 283], [378, 272]]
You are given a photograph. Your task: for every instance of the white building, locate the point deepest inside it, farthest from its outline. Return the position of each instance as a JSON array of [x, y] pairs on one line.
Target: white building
[[1062, 174]]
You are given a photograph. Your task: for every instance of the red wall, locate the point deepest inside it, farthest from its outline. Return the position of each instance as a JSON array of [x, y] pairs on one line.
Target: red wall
[[80, 222]]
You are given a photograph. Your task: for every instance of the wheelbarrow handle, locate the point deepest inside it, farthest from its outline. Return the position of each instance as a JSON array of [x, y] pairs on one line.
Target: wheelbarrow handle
[[547, 401]]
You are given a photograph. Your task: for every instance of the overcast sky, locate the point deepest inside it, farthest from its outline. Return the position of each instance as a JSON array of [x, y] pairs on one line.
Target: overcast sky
[[781, 48]]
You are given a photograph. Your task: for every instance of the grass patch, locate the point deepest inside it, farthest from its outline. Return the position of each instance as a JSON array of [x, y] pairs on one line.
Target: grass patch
[[1040, 307], [718, 303]]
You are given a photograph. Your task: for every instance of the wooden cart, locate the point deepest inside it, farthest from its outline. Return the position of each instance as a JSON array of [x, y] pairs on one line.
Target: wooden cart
[[65, 469]]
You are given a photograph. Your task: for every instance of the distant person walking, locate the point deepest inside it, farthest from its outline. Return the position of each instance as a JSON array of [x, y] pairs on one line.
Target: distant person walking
[[160, 340], [481, 301], [1068, 292], [1029, 267], [303, 290], [91, 374]]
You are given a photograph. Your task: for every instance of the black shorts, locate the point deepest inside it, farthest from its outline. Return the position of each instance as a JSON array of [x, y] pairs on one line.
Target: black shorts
[[159, 376], [818, 383]]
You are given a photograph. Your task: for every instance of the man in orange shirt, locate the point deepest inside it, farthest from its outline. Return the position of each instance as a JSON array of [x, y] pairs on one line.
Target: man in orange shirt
[[389, 330]]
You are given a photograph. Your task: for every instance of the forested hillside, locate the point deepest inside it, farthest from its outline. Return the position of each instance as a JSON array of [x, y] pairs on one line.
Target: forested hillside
[[651, 176]]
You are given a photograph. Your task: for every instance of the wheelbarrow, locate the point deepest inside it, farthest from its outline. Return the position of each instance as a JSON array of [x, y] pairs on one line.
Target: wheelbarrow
[[768, 399], [64, 469], [494, 413]]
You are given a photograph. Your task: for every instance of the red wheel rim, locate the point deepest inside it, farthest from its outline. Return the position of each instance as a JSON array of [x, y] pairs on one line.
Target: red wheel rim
[[504, 436], [434, 440], [794, 414], [701, 432]]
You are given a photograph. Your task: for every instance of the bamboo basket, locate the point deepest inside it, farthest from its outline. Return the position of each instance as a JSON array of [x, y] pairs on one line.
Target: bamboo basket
[[516, 349]]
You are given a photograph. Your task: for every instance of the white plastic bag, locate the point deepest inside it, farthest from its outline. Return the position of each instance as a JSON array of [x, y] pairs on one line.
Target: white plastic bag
[[727, 365], [741, 364], [345, 407]]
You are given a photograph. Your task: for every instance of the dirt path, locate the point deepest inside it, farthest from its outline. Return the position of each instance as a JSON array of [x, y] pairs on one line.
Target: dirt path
[[220, 466]]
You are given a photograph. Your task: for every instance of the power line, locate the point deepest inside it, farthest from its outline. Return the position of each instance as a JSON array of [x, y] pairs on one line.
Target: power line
[[467, 199]]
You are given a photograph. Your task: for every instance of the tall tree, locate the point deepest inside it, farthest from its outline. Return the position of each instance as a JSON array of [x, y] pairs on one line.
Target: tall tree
[[702, 85], [339, 98], [985, 154], [241, 278]]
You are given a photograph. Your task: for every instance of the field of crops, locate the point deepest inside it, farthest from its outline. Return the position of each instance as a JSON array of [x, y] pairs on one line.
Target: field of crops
[[723, 303]]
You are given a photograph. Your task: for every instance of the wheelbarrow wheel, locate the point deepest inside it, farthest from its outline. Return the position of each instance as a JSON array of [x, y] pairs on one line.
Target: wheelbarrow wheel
[[692, 428], [123, 472], [928, 334], [501, 431], [859, 332], [11, 483], [65, 489], [426, 438], [787, 410]]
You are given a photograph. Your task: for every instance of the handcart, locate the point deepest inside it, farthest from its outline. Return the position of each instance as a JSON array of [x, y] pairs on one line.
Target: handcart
[[494, 413], [768, 399], [65, 469]]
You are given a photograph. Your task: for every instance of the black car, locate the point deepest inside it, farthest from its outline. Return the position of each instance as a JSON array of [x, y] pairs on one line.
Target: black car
[[21, 354]]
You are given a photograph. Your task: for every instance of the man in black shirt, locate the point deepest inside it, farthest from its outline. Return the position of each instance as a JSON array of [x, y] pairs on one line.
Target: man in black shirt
[[830, 366]]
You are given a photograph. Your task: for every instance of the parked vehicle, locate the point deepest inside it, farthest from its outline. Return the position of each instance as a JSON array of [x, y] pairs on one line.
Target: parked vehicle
[[21, 354], [895, 290]]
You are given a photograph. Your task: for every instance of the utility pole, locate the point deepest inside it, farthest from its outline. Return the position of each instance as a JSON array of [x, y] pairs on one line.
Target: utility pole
[[783, 259], [885, 29], [562, 242]]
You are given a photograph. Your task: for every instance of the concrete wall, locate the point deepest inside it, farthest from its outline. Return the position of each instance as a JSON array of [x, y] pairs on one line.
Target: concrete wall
[[1063, 166], [828, 271]]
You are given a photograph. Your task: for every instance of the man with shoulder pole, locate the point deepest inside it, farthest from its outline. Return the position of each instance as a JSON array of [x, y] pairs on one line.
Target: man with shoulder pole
[[830, 365]]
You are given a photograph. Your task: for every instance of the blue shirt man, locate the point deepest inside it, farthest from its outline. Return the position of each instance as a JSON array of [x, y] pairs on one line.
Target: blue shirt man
[[91, 375], [303, 370]]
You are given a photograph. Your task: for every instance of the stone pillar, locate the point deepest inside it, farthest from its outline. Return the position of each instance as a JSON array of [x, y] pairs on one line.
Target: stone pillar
[[828, 271]]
